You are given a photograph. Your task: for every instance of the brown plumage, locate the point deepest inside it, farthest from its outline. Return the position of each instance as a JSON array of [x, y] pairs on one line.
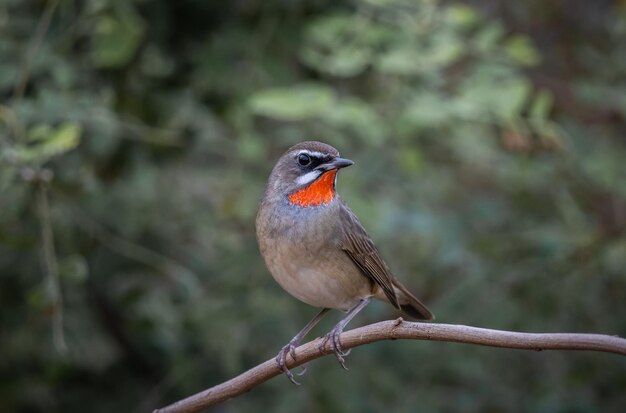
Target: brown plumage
[[316, 248], [360, 248]]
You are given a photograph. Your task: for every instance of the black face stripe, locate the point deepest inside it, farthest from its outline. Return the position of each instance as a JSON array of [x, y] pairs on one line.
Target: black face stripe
[[316, 159]]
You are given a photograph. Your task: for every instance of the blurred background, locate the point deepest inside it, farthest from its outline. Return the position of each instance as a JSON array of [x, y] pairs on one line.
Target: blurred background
[[136, 137]]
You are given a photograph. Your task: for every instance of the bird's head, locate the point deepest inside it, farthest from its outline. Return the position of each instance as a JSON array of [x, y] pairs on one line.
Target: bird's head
[[306, 174]]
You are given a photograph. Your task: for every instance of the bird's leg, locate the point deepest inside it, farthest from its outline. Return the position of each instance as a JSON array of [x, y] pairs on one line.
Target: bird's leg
[[290, 348], [332, 338]]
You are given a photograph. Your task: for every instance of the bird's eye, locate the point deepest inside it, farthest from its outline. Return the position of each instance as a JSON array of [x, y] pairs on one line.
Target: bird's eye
[[304, 159]]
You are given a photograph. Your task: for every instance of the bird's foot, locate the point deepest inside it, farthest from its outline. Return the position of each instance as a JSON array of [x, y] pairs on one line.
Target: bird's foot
[[334, 342], [281, 360]]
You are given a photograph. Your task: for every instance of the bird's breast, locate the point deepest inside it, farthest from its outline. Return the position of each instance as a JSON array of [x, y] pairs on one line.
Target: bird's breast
[[302, 250]]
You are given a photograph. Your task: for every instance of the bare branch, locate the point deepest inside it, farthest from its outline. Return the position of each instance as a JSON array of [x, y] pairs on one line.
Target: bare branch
[[35, 43], [51, 267], [400, 329]]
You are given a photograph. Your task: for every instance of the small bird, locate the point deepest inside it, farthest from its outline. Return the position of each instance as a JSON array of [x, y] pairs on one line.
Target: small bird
[[316, 248]]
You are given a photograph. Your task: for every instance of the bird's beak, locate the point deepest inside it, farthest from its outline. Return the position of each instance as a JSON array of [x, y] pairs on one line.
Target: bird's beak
[[336, 163]]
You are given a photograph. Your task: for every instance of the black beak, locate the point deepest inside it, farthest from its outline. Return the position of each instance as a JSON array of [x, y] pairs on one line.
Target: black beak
[[336, 163]]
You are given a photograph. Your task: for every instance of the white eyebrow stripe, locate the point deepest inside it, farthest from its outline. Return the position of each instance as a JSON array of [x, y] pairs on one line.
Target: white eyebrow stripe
[[315, 154], [308, 177]]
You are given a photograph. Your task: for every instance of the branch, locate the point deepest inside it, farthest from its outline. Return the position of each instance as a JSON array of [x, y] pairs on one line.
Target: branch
[[51, 265], [400, 329]]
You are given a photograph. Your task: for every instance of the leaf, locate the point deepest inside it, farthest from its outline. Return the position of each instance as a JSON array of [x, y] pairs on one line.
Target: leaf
[[342, 46], [426, 110], [462, 16], [400, 61], [541, 105], [49, 142], [488, 38], [415, 58], [344, 62], [359, 117], [39, 133], [294, 103], [116, 39], [502, 96], [520, 49]]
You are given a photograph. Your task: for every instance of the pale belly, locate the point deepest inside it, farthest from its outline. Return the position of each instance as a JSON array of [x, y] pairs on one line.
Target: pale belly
[[322, 284]]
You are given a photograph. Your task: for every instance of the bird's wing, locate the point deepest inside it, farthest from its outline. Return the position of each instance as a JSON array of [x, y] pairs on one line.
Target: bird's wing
[[360, 248]]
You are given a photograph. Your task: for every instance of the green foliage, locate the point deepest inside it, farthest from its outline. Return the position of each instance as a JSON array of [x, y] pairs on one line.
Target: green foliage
[[115, 39], [292, 104], [44, 142], [489, 171]]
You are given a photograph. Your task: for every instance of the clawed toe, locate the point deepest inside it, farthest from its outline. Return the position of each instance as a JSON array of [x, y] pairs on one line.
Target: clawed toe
[[334, 343], [322, 346], [332, 338], [281, 360]]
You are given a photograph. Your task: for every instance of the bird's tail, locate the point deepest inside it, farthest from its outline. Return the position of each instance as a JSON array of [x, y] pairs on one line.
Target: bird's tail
[[411, 305]]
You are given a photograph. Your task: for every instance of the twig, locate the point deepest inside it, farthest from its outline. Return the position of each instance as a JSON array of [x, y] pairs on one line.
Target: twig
[[8, 116], [137, 129], [40, 32], [139, 253], [399, 329], [51, 268]]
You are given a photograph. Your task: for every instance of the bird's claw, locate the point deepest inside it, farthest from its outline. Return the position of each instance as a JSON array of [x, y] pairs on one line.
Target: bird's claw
[[302, 370], [334, 343], [281, 360]]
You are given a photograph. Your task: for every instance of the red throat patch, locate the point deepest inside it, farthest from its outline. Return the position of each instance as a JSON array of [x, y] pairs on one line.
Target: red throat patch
[[321, 191]]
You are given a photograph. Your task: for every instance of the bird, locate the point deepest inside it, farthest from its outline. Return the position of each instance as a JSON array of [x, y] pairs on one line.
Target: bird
[[317, 249]]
